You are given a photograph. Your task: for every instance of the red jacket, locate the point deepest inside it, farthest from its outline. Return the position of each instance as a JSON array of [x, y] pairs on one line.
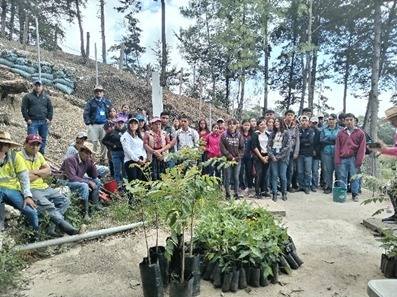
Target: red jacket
[[212, 145], [347, 146]]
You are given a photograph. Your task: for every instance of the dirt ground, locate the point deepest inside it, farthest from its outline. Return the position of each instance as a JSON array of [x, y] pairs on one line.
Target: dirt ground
[[340, 256]]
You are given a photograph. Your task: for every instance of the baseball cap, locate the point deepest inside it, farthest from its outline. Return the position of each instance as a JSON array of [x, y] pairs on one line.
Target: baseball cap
[[154, 120], [120, 119], [133, 120], [141, 108], [140, 117], [314, 119], [38, 81], [32, 138], [303, 117], [99, 88], [220, 120], [81, 134], [320, 115]]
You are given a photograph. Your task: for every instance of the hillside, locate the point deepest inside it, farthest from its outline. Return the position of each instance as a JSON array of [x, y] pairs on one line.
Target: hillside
[[121, 87]]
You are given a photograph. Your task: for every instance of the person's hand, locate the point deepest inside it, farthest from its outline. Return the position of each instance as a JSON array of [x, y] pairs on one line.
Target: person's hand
[[33, 177], [48, 122], [29, 201], [158, 155], [274, 159], [296, 156], [29, 122], [92, 184]]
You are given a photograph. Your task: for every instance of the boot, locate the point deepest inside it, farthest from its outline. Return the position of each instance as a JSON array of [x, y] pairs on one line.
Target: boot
[[69, 229], [2, 216], [274, 197], [284, 197], [51, 231], [84, 207], [95, 201]]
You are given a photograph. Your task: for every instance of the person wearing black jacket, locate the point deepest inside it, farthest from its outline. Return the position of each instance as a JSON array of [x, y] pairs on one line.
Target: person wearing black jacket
[[305, 158], [316, 152], [96, 112], [112, 141], [37, 111]]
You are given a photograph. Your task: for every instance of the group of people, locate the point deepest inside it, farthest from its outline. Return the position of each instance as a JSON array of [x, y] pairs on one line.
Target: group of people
[[267, 155]]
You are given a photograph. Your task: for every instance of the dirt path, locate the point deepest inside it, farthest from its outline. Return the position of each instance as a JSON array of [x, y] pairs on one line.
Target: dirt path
[[340, 256]]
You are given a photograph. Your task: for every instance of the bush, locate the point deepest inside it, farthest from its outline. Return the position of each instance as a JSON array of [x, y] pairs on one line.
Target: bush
[[10, 263]]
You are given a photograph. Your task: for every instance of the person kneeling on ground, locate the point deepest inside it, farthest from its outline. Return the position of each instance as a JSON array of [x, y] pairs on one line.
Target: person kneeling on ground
[[75, 167], [48, 201]]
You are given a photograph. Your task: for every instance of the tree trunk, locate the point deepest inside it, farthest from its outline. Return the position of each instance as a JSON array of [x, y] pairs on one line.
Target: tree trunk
[[12, 19], [309, 56], [55, 47], [3, 18], [304, 81], [266, 71], [290, 78], [87, 48], [163, 78], [103, 31], [240, 104], [213, 78], [21, 17], [80, 22], [373, 95]]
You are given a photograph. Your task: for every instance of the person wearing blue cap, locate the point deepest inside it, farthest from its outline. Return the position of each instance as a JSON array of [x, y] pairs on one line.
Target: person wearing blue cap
[[37, 111]]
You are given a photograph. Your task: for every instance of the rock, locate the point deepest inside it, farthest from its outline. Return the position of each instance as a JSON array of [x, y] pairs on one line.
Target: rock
[[11, 212], [134, 283]]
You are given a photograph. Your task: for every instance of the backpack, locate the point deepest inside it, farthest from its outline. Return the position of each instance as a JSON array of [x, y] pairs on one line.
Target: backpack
[[368, 139]]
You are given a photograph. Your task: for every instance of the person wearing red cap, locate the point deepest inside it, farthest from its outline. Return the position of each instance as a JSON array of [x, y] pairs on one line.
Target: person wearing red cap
[[48, 201], [37, 111], [156, 142]]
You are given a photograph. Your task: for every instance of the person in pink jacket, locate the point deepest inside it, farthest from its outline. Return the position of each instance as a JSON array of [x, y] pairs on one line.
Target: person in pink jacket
[[391, 116], [213, 150]]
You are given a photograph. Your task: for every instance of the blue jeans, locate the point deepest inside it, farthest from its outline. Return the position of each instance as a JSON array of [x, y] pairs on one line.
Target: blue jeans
[[315, 167], [39, 127], [51, 202], [348, 165], [83, 189], [290, 170], [329, 169], [279, 170], [246, 167], [262, 171], [232, 172], [15, 199], [118, 165], [304, 171]]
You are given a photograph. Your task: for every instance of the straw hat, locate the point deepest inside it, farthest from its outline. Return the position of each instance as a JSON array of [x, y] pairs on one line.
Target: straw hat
[[390, 113], [5, 137], [88, 146]]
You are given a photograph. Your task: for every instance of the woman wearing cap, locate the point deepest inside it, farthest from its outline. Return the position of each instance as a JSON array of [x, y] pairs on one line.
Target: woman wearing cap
[[134, 153], [112, 142], [156, 142]]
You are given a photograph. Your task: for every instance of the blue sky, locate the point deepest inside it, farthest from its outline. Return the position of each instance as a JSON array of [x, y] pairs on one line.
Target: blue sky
[[150, 23]]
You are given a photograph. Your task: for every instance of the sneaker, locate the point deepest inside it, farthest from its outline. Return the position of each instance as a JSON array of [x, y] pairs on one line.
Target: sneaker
[[258, 196], [392, 219], [239, 195], [284, 197], [307, 191], [314, 189], [355, 198], [265, 194], [328, 191], [227, 196]]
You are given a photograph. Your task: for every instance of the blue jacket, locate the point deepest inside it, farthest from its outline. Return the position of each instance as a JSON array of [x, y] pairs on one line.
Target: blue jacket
[[91, 110], [327, 139]]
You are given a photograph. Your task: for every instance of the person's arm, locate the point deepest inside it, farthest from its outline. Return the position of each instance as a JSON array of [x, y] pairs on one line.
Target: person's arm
[[361, 150], [241, 147], [86, 113], [69, 166], [50, 110], [297, 142], [25, 107], [106, 140], [224, 151], [129, 148], [91, 169], [44, 169], [337, 150], [285, 147]]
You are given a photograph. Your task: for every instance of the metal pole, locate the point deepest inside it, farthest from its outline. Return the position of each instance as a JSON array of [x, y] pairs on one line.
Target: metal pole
[[69, 239], [38, 45], [96, 67], [210, 117]]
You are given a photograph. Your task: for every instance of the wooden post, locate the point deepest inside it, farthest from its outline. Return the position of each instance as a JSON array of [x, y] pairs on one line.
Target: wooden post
[[96, 67], [121, 60], [87, 50], [38, 46]]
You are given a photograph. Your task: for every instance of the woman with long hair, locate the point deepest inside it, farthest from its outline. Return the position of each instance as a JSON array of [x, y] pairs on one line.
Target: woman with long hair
[[134, 153], [279, 148], [213, 150], [259, 142], [245, 175], [203, 131]]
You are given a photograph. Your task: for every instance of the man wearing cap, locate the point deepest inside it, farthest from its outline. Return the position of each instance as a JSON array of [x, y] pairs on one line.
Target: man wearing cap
[[316, 153], [75, 168], [74, 147], [293, 130], [96, 111], [37, 111], [391, 117], [48, 201], [350, 146], [320, 125], [112, 141], [327, 140], [305, 158], [14, 183], [157, 143]]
